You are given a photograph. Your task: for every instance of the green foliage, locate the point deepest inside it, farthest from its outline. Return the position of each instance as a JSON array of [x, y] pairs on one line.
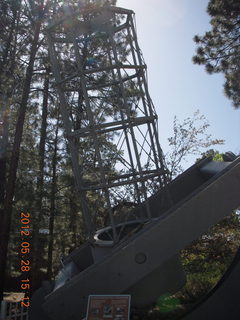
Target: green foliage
[[216, 155], [167, 303], [206, 259], [219, 48]]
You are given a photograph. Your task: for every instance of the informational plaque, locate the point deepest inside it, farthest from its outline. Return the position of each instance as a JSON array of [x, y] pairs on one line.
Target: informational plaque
[[108, 307]]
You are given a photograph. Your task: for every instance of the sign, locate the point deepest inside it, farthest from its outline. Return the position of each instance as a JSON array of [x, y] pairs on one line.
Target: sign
[[108, 307]]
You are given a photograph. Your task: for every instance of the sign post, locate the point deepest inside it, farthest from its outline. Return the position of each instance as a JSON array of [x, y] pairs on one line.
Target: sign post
[[108, 307]]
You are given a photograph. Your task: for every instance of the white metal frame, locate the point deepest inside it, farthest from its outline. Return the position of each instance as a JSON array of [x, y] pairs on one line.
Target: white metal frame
[[13, 311]]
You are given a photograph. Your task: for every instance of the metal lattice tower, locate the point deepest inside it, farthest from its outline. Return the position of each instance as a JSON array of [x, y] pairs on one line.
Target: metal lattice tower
[[108, 115]]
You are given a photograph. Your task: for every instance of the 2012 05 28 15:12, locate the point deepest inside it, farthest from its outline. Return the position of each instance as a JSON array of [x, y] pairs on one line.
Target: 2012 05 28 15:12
[[25, 257]]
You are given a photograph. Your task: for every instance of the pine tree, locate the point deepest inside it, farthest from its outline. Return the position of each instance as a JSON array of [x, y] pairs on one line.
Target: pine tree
[[36, 14], [219, 48]]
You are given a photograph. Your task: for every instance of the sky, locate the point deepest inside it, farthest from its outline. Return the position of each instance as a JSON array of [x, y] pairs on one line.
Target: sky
[[177, 87]]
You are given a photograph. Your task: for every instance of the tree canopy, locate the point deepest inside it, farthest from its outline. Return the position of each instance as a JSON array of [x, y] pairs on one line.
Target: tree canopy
[[219, 48], [190, 137]]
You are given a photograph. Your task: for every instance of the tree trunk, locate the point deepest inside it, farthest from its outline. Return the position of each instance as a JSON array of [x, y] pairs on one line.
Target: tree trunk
[[73, 220], [36, 255], [53, 203], [3, 155], [42, 143]]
